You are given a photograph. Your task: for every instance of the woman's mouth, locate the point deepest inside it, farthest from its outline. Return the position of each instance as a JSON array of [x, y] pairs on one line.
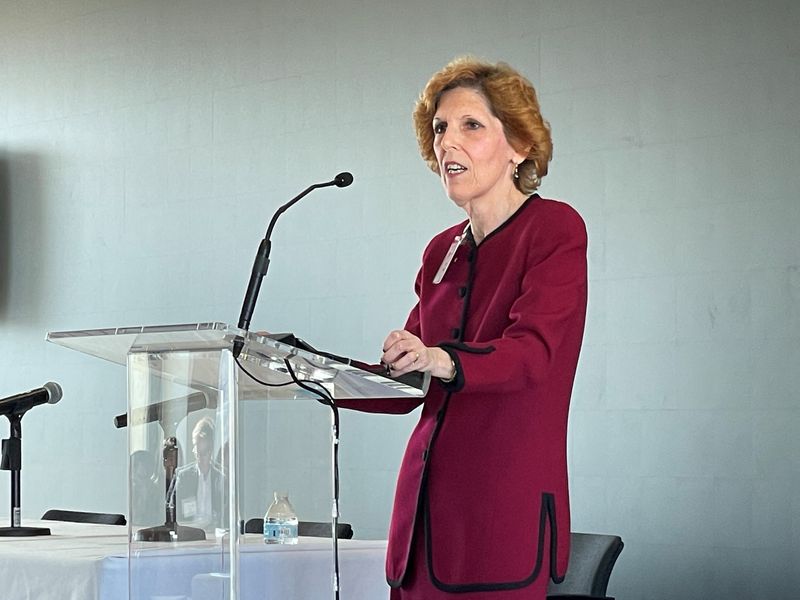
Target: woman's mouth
[[454, 168]]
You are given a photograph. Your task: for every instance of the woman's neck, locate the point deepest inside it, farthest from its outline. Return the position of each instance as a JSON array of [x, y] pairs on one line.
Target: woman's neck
[[486, 216]]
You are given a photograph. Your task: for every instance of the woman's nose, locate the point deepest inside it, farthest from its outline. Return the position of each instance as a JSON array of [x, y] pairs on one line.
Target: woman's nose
[[449, 140]]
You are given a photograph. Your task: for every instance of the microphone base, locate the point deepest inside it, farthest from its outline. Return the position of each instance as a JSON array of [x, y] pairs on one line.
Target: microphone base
[[23, 531], [170, 533]]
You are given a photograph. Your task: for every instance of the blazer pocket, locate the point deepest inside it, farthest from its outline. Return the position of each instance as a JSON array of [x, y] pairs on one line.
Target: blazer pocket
[[547, 517]]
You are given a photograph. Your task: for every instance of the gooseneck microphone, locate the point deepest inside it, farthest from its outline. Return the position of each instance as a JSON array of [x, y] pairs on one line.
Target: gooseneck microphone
[[19, 404], [261, 263]]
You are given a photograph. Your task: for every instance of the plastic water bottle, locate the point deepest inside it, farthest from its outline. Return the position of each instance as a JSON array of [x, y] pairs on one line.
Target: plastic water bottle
[[280, 522]]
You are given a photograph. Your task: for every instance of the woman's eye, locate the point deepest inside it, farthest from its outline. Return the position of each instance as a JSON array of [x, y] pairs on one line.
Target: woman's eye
[[439, 128], [473, 125]]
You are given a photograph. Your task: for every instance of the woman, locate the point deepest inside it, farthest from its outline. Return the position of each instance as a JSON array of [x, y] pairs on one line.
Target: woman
[[481, 508]]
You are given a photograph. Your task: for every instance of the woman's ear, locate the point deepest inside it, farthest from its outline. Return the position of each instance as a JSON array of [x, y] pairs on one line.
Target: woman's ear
[[520, 155]]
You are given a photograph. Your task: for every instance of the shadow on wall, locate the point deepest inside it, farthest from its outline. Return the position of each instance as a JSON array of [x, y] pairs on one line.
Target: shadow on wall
[[5, 233], [21, 250]]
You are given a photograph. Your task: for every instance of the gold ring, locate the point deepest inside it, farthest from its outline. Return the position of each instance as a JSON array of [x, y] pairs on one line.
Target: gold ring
[[416, 356]]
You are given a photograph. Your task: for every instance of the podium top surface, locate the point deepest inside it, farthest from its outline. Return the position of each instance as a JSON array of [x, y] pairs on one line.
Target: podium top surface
[[263, 356], [114, 343]]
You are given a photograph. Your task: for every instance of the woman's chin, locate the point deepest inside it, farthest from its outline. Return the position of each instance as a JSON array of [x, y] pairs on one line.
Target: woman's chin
[[457, 196]]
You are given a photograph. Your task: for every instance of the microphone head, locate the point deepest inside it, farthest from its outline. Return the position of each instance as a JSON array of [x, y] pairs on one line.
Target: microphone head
[[343, 179], [54, 392]]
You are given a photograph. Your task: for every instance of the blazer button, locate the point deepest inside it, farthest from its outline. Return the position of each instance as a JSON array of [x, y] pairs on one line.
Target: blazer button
[[462, 291], [456, 332]]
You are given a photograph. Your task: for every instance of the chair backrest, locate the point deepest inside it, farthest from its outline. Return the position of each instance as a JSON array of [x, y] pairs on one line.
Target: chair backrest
[[344, 531], [75, 516], [591, 559]]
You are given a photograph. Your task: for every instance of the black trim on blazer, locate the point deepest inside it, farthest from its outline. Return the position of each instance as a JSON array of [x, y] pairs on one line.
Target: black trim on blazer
[[547, 513], [466, 348], [422, 494], [450, 387], [514, 215], [473, 256], [396, 583], [550, 499], [457, 382]]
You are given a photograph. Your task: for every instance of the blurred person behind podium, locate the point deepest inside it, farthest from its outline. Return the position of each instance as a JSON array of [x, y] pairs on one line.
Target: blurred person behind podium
[[147, 496], [199, 487], [481, 508]]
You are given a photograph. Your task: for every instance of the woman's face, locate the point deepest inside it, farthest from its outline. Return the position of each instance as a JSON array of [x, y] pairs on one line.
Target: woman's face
[[475, 159]]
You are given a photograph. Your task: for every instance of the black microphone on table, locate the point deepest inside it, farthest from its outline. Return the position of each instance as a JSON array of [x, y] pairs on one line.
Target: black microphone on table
[[19, 404], [154, 412], [261, 263]]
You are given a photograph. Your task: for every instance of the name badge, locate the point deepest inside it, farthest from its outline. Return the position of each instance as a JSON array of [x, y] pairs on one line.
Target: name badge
[[189, 508], [448, 258]]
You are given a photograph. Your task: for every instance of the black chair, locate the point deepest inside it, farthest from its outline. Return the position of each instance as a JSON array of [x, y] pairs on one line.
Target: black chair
[[75, 516], [344, 531], [591, 559]]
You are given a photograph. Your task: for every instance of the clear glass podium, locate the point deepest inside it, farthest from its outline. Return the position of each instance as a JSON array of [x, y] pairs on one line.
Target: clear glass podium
[[189, 443]]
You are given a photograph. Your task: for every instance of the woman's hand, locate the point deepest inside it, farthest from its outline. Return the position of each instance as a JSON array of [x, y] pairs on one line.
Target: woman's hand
[[404, 352]]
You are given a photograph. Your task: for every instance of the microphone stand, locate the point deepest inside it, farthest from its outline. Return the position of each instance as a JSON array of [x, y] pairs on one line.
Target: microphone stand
[[261, 262], [170, 531], [260, 266], [12, 461]]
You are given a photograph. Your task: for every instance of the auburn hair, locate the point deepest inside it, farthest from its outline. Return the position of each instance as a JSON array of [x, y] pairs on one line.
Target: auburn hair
[[510, 97]]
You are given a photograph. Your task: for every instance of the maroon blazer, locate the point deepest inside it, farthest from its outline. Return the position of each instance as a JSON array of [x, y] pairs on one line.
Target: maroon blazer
[[486, 466]]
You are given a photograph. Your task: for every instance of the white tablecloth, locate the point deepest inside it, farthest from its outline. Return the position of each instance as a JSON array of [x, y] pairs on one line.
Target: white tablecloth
[[90, 562]]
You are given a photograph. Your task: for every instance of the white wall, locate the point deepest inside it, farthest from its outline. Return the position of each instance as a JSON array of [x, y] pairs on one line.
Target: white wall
[[144, 146]]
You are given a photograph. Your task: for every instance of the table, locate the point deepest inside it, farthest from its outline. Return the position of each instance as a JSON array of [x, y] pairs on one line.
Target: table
[[90, 562]]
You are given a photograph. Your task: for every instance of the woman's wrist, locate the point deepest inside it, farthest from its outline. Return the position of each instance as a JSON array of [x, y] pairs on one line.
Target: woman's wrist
[[446, 366], [452, 376]]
